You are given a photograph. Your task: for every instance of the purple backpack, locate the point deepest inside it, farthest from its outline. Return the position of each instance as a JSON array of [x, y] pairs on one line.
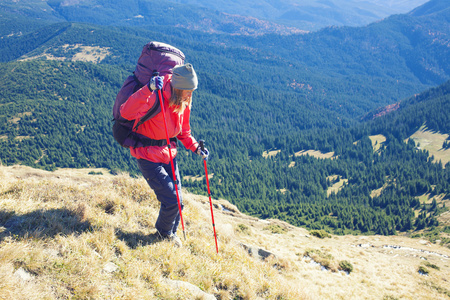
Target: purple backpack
[[155, 57]]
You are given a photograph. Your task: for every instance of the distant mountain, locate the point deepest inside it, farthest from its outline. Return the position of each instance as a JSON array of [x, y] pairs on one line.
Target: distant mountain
[[134, 13], [400, 49], [370, 66], [240, 17], [431, 7], [312, 14]]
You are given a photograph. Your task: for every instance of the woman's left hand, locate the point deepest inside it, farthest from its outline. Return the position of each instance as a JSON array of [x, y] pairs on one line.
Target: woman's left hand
[[204, 153]]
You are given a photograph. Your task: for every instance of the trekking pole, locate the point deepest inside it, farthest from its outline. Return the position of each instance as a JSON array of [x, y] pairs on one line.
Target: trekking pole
[[170, 154], [202, 146]]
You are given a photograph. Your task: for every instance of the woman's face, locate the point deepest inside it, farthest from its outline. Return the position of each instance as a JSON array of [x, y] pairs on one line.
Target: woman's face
[[181, 99], [186, 94]]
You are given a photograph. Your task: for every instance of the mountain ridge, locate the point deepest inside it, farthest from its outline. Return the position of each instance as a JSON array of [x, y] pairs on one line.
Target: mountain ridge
[[298, 17], [313, 15], [137, 13], [430, 7]]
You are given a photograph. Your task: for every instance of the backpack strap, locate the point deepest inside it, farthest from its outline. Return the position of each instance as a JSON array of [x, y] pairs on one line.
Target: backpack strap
[[143, 141], [138, 83], [153, 111]]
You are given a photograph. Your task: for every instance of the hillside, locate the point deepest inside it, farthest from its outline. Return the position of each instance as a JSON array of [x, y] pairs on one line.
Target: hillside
[[287, 186], [86, 234], [380, 155], [282, 95]]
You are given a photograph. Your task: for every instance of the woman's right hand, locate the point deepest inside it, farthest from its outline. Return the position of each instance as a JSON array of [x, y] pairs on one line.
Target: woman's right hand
[[156, 83]]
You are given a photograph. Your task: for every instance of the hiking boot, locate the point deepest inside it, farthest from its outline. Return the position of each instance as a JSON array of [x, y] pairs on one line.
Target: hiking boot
[[173, 238], [176, 240]]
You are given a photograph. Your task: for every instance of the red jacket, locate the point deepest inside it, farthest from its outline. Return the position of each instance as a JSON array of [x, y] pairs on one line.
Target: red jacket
[[177, 123]]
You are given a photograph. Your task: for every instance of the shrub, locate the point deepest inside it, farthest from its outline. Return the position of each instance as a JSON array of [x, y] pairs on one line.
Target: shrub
[[95, 173], [274, 228], [423, 271], [430, 265], [243, 228], [346, 266], [321, 234], [326, 260]]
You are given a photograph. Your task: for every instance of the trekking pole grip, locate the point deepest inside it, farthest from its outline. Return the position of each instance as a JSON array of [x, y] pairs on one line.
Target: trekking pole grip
[[202, 144], [155, 74]]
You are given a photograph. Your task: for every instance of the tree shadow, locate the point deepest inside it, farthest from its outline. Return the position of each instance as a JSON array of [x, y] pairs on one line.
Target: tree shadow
[[137, 239], [42, 223]]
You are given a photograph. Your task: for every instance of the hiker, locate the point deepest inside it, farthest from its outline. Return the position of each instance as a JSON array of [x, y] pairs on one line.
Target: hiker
[[154, 161]]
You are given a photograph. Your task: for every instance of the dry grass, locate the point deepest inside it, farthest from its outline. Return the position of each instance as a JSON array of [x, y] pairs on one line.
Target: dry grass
[[316, 154], [70, 235], [444, 218], [432, 142], [197, 177], [270, 153], [336, 186], [63, 230], [93, 54], [377, 141]]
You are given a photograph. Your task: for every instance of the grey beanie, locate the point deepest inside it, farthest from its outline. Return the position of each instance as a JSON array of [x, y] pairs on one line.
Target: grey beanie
[[184, 77]]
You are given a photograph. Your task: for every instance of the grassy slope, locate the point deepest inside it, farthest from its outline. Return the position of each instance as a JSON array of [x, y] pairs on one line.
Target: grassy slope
[[432, 142], [65, 228]]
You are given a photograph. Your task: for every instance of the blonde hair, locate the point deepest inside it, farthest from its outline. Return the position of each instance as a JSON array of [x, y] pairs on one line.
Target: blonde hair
[[176, 100]]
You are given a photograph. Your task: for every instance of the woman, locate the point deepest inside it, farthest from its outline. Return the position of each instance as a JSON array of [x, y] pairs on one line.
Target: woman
[[154, 161]]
